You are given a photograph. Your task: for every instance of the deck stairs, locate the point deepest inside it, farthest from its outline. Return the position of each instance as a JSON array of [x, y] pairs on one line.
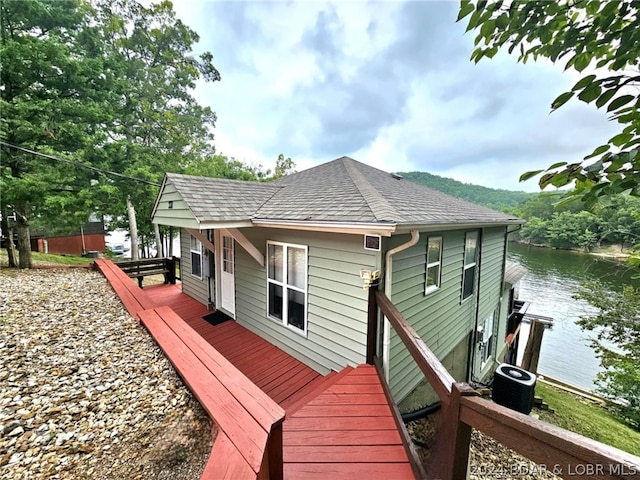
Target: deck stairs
[[344, 429], [312, 390]]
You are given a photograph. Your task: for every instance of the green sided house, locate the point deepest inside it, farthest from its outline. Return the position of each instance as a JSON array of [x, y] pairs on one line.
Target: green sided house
[[290, 259]]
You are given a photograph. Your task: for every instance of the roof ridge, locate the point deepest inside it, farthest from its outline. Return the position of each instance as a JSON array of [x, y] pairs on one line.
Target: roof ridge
[[381, 208]]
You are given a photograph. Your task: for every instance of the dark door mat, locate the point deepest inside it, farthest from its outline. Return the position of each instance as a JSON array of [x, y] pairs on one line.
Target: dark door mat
[[216, 318]]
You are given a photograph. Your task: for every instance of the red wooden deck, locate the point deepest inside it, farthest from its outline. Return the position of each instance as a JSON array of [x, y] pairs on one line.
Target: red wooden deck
[[278, 374], [346, 432], [336, 426]]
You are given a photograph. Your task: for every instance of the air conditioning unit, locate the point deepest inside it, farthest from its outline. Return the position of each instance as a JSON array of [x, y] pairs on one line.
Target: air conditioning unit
[[514, 388]]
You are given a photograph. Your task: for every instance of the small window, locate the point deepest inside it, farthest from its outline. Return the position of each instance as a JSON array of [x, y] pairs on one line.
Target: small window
[[287, 284], [196, 257], [469, 272], [434, 262], [487, 341], [227, 254]]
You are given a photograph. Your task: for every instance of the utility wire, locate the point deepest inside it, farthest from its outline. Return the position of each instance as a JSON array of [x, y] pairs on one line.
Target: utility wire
[[79, 164]]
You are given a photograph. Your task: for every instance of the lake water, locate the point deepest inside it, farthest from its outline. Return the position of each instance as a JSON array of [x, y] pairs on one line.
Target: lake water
[[553, 277]]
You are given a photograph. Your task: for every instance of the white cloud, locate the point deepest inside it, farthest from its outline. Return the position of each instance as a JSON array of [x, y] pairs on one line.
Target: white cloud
[[388, 83]]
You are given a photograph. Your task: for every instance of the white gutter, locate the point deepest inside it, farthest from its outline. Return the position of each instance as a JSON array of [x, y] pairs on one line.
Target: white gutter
[[437, 227], [386, 335]]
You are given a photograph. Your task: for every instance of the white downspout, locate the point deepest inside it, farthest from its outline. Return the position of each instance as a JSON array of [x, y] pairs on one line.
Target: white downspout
[[386, 335]]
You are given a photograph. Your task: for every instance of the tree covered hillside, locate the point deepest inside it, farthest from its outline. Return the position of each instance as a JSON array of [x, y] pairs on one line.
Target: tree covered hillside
[[489, 197]]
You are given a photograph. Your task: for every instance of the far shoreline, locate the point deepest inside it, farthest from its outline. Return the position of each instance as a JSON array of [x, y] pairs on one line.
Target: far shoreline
[[607, 252]]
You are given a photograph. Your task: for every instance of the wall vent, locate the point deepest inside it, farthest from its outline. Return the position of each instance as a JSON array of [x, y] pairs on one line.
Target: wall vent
[[372, 242]]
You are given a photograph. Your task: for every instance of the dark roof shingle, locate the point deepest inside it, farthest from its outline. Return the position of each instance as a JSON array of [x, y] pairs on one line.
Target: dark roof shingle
[[220, 199], [342, 190]]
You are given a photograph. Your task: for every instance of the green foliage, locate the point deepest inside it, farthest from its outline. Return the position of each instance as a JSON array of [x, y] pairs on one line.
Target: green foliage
[[544, 205], [488, 197], [55, 90], [567, 230], [602, 38], [50, 258], [535, 231], [586, 418], [157, 126], [617, 343], [108, 84], [615, 220], [219, 166], [284, 167]]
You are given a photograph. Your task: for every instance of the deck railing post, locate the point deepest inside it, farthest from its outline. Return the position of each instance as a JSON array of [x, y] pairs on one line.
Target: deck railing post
[[372, 324], [451, 460], [171, 267], [274, 452]]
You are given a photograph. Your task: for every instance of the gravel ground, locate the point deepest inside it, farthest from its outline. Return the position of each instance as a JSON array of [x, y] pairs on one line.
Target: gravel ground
[[84, 390], [488, 459]]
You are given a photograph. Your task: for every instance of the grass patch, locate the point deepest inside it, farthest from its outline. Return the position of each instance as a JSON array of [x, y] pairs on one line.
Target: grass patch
[[48, 258], [587, 418]]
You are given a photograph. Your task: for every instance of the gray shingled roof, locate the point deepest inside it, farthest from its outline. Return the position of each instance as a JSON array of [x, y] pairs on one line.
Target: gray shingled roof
[[219, 199], [342, 190], [347, 190], [513, 272]]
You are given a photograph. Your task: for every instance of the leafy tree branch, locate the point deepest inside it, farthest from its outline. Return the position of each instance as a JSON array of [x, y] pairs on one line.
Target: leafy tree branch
[[589, 36]]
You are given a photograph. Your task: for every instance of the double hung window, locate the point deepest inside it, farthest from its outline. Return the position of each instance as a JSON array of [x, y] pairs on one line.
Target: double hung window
[[434, 263], [196, 256], [470, 259], [287, 284]]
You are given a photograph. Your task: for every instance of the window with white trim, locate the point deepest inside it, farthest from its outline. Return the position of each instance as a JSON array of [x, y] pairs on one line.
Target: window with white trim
[[434, 263], [227, 254], [287, 269], [487, 341], [469, 272], [196, 256]]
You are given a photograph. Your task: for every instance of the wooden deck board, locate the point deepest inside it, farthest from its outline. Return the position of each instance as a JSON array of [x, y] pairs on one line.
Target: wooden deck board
[[341, 427], [342, 411], [339, 423], [229, 414], [216, 470], [339, 454], [348, 438], [348, 430], [348, 471]]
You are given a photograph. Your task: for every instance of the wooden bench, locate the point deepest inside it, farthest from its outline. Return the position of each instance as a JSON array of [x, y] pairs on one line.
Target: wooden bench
[[249, 439], [150, 266], [133, 298]]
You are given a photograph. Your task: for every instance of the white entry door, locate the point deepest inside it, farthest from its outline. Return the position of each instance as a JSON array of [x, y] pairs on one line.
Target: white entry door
[[227, 274]]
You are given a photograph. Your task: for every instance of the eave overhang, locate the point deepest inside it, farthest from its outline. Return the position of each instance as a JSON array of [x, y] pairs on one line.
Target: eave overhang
[[385, 229], [438, 226]]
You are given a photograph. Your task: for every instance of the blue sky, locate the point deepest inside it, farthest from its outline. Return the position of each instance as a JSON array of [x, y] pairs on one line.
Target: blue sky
[[387, 83]]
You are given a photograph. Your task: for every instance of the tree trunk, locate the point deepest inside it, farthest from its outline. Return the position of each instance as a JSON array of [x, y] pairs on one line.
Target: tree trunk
[[159, 245], [24, 238], [171, 241], [133, 229], [10, 246]]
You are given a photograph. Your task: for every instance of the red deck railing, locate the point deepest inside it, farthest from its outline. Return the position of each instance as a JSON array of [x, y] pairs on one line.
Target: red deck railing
[[563, 452]]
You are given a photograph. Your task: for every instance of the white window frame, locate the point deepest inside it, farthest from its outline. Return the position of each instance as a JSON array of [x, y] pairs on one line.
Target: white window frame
[[488, 342], [197, 250], [285, 285], [433, 263], [468, 266], [228, 255]]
